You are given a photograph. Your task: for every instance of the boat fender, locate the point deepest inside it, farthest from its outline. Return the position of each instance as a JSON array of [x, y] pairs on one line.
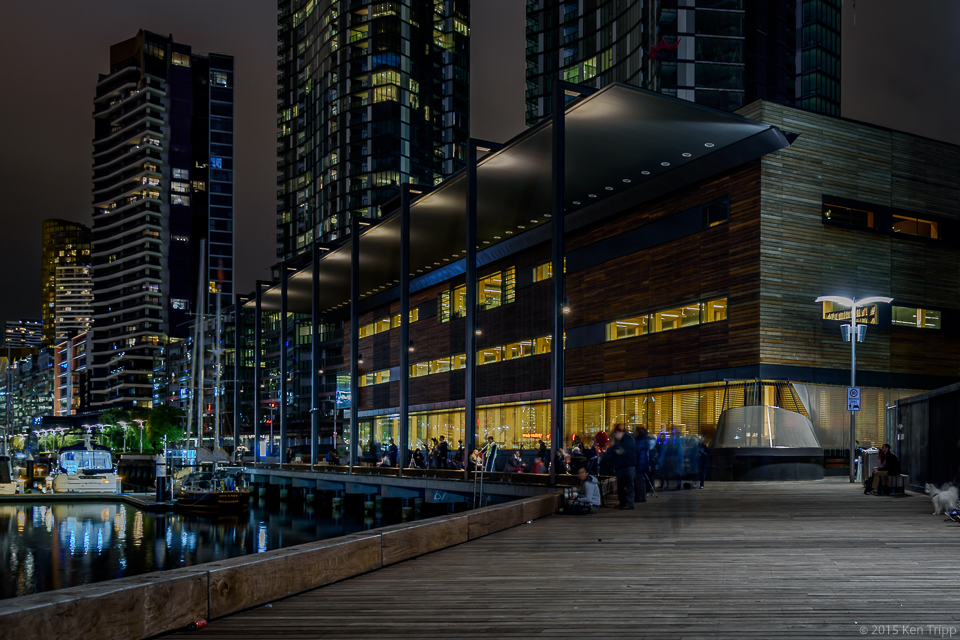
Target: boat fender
[[197, 624]]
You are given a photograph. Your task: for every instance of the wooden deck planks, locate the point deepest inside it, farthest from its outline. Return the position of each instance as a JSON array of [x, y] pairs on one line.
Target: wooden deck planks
[[798, 560]]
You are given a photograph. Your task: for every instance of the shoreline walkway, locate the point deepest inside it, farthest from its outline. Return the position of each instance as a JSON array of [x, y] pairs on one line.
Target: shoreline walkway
[[736, 560]]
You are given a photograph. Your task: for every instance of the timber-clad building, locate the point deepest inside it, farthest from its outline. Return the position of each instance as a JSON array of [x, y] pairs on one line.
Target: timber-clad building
[[696, 243]]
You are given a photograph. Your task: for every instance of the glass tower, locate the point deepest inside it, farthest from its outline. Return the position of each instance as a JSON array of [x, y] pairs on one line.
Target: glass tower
[[66, 285], [719, 53], [372, 95]]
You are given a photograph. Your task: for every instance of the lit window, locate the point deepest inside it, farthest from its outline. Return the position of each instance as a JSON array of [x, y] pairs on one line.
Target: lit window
[[490, 291], [915, 227], [848, 215], [714, 310], [628, 328], [181, 200], [180, 187], [199, 186], [154, 50], [219, 79], [180, 59], [917, 318], [865, 315], [677, 318], [181, 174], [375, 377], [542, 272], [179, 304]]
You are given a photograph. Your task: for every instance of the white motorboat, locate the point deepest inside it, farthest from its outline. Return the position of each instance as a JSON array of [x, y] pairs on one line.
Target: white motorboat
[[86, 468]]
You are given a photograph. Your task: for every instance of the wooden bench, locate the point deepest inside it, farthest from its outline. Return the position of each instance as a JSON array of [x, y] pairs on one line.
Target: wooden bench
[[896, 484]]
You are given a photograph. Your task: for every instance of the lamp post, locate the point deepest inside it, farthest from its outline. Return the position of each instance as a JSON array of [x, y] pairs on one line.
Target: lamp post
[[854, 336], [123, 425], [140, 422]]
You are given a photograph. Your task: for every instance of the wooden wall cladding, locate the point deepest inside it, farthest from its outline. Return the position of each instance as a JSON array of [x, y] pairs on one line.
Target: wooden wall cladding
[[802, 258], [721, 261]]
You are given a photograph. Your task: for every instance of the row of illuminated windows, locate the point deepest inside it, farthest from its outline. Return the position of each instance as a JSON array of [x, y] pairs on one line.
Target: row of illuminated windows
[[899, 316], [379, 326], [867, 218], [490, 355], [494, 290], [686, 316]]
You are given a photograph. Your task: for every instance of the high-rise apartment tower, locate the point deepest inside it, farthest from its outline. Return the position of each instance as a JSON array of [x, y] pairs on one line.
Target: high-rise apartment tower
[[66, 295], [163, 181]]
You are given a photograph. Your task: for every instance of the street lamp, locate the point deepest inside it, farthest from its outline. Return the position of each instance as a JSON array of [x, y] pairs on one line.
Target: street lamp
[[853, 336], [140, 422], [123, 425]]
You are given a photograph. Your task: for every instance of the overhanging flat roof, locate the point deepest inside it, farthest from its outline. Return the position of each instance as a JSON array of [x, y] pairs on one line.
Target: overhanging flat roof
[[623, 146]]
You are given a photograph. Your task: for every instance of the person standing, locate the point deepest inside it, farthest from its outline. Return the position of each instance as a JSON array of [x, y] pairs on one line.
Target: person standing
[[622, 453], [643, 464], [542, 450], [702, 460], [393, 452], [443, 450]]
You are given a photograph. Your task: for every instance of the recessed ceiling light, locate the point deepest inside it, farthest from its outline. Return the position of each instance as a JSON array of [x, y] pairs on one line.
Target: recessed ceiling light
[[687, 155], [592, 195], [496, 237], [547, 215], [486, 242], [446, 259], [646, 173], [437, 263], [509, 232], [664, 164], [708, 144], [576, 202], [520, 226], [609, 188], [419, 270], [627, 180], [535, 221]]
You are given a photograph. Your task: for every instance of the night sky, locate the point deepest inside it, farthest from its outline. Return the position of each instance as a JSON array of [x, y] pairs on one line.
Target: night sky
[[899, 70]]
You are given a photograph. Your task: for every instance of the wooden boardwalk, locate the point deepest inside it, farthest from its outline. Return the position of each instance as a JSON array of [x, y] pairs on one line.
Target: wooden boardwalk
[[791, 560]]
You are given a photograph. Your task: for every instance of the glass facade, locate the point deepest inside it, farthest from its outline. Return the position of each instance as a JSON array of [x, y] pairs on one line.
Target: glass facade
[[372, 95], [912, 317], [818, 82]]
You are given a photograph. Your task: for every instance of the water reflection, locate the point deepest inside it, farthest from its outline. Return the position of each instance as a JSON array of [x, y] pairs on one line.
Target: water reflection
[[47, 547]]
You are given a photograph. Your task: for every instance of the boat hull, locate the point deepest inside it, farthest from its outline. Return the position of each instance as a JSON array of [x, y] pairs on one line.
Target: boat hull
[[96, 483], [214, 501]]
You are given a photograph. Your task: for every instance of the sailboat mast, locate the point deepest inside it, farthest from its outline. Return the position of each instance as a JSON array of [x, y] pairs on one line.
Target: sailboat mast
[[216, 393]]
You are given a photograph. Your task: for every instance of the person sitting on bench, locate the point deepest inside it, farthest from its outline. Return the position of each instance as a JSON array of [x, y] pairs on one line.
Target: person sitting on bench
[[587, 499], [889, 466]]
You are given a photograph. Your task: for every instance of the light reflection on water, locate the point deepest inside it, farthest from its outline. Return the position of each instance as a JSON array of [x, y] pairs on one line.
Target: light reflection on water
[[47, 547]]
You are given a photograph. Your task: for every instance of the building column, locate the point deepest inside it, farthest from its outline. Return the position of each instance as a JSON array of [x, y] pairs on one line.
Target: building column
[[403, 426], [354, 340], [556, 259], [257, 371], [284, 356], [315, 366], [238, 301]]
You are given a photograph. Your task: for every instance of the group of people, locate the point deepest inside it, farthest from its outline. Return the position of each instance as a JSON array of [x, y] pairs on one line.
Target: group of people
[[634, 459]]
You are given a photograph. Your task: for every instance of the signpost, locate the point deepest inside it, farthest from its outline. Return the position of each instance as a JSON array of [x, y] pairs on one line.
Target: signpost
[[853, 398]]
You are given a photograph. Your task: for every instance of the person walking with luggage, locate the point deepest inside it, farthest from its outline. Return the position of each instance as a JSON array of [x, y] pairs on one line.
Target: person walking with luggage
[[622, 453]]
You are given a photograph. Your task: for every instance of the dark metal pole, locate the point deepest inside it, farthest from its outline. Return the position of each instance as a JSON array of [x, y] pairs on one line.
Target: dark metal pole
[[470, 268], [237, 392], [315, 379], [257, 361], [556, 347], [403, 426], [354, 340], [284, 354]]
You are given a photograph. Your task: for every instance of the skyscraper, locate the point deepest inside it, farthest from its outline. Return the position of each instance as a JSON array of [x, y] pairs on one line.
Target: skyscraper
[[719, 53], [163, 182], [25, 332], [372, 95], [66, 295]]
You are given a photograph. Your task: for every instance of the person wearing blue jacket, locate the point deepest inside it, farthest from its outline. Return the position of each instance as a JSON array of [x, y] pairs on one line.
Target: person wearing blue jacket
[[622, 453]]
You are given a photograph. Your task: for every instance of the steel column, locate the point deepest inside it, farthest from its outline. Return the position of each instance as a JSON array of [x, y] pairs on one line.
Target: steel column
[[315, 366], [403, 427], [354, 340], [284, 356], [470, 269], [556, 345], [257, 361]]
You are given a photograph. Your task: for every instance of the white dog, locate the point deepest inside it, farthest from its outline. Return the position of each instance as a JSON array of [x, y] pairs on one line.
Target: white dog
[[944, 498]]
